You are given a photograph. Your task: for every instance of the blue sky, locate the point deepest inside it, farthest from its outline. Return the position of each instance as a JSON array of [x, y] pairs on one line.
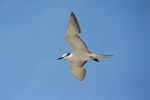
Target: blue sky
[[32, 37]]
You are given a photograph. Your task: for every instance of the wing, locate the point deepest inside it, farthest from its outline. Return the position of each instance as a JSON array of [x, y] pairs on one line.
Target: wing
[[72, 35], [78, 70]]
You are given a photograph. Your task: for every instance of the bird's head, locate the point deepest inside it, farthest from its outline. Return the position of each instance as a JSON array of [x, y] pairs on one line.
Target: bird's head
[[64, 56]]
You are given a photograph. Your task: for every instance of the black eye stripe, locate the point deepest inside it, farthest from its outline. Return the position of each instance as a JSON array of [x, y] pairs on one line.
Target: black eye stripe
[[68, 54]]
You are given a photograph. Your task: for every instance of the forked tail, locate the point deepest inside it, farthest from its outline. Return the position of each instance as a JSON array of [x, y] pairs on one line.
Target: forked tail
[[105, 55], [101, 55]]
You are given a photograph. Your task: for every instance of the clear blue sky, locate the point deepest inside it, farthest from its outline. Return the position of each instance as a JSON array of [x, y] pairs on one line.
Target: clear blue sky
[[32, 37]]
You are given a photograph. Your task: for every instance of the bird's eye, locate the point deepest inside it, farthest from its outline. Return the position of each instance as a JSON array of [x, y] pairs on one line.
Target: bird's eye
[[68, 54]]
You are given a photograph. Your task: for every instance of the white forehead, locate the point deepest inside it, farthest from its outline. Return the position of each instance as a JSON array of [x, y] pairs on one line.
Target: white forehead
[[64, 55]]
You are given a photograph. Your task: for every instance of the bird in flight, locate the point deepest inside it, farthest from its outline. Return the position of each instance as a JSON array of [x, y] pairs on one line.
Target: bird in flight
[[80, 53]]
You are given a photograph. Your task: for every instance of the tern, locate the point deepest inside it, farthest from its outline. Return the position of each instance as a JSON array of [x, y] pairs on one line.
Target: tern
[[80, 53]]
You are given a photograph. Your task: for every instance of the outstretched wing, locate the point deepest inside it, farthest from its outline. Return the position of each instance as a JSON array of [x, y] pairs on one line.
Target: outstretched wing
[[72, 35], [78, 70]]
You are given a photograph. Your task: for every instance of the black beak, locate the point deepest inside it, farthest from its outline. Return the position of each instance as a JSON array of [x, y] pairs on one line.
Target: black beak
[[59, 58]]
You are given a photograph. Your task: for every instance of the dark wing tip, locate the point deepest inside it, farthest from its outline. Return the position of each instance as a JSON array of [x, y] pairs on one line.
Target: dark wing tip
[[75, 19], [72, 14]]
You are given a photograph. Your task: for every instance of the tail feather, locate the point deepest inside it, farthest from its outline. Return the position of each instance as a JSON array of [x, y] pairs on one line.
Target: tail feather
[[101, 55], [105, 56]]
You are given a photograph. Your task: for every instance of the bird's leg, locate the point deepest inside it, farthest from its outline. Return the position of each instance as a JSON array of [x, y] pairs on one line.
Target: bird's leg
[[94, 59]]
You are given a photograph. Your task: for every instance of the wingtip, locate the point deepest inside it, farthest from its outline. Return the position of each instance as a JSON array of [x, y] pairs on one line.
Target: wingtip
[[73, 21], [79, 73], [72, 14]]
